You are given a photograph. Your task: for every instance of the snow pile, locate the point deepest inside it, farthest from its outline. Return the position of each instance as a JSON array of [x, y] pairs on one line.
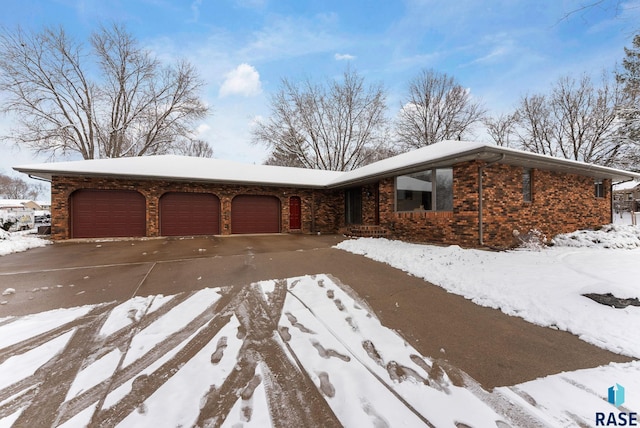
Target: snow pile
[[17, 242], [610, 236], [543, 287]]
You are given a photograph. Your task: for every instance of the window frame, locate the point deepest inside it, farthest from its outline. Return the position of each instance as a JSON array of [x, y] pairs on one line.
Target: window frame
[[599, 189], [434, 197], [527, 191]]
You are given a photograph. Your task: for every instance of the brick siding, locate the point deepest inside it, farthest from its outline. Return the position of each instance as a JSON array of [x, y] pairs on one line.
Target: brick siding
[[561, 203], [320, 209]]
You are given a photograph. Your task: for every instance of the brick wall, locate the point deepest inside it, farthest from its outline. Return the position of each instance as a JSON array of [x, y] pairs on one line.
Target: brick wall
[[323, 205], [561, 203]]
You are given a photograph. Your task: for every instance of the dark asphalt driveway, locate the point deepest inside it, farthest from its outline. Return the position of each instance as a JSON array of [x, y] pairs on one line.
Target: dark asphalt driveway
[[492, 347]]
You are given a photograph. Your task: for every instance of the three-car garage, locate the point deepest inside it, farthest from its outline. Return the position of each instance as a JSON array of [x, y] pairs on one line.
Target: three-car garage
[[123, 213]]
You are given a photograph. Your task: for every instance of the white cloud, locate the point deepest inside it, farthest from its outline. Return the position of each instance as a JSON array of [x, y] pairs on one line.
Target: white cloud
[[243, 80], [344, 57], [195, 8], [290, 37]]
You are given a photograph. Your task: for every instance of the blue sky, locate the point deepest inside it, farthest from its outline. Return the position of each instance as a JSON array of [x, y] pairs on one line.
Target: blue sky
[[500, 49]]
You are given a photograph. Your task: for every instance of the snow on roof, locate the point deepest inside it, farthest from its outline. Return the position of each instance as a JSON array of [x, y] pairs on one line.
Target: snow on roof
[[217, 170], [13, 203], [435, 152], [185, 168], [627, 185]]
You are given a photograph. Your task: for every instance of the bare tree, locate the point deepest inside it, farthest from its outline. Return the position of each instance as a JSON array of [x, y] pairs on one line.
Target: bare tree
[[615, 6], [629, 78], [577, 120], [129, 105], [535, 130], [335, 126], [16, 188], [501, 129], [195, 148], [280, 157], [436, 108]]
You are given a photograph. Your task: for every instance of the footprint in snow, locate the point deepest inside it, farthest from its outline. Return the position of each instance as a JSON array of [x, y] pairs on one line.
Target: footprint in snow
[[294, 322], [219, 352], [328, 353], [326, 386]]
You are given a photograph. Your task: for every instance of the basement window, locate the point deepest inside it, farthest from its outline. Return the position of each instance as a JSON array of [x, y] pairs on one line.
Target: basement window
[[429, 190], [599, 188]]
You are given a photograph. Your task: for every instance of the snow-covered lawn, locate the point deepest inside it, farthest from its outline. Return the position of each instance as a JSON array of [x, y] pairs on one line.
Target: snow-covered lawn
[[544, 287], [16, 242]]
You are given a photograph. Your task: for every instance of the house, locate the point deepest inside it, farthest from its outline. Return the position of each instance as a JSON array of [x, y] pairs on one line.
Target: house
[[454, 192], [626, 197], [7, 204]]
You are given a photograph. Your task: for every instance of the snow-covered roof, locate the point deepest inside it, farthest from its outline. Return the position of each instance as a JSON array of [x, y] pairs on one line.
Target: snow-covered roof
[[14, 203], [173, 167], [627, 185], [185, 168]]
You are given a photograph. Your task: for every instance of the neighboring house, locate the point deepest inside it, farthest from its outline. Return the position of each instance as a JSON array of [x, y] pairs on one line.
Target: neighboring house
[[454, 192], [19, 204], [626, 196]]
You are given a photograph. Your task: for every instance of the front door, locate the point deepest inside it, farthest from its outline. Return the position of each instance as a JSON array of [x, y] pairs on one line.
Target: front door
[[353, 206], [295, 213]]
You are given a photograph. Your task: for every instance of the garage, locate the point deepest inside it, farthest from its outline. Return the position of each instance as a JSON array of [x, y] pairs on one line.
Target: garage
[[255, 214], [107, 213], [188, 214]]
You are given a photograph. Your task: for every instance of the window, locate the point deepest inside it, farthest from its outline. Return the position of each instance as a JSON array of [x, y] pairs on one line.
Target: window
[[430, 190], [526, 185], [599, 189]]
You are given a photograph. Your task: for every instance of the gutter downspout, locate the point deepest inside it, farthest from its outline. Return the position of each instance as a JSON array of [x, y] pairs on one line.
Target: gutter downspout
[[480, 196], [38, 178]]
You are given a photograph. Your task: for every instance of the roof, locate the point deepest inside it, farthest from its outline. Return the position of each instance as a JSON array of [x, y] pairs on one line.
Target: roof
[[626, 186], [14, 203], [184, 168]]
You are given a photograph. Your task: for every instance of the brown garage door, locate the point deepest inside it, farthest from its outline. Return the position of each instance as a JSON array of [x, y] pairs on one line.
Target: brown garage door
[[186, 214], [107, 213], [255, 214]]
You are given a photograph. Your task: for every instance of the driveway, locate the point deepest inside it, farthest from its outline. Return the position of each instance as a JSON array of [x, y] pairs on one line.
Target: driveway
[[485, 344]]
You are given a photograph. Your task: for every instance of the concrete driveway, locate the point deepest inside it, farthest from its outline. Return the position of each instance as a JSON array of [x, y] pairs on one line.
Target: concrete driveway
[[492, 347]]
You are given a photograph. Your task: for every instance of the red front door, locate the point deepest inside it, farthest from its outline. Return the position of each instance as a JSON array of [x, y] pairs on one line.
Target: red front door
[[295, 213]]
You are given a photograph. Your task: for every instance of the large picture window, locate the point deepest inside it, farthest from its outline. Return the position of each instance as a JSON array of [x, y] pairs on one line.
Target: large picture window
[[430, 190]]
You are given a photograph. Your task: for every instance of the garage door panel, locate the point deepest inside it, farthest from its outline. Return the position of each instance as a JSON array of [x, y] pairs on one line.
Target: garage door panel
[[186, 214], [107, 213], [255, 214]]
